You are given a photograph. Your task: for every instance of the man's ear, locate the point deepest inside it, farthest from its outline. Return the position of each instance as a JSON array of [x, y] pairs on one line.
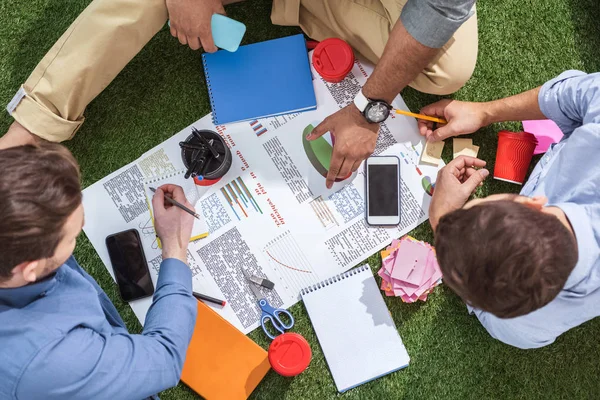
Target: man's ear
[[535, 203], [28, 270]]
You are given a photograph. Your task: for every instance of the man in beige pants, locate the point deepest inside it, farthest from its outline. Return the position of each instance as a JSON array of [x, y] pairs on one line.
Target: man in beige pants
[[430, 45]]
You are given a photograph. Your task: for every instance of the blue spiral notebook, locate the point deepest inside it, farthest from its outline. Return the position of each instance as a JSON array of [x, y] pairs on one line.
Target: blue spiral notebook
[[259, 80]]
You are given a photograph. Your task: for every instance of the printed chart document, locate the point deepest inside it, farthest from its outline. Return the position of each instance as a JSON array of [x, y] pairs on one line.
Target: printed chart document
[[271, 214]]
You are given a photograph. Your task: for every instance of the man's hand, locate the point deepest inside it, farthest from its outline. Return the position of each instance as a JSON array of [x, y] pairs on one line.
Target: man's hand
[[463, 118], [355, 140], [173, 225], [455, 184], [190, 22]]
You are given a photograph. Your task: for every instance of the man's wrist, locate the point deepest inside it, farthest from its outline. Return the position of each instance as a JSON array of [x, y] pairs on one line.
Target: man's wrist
[[174, 251], [370, 92]]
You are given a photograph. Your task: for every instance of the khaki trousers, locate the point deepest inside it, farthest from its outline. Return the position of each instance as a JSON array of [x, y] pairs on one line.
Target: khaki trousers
[[109, 33]]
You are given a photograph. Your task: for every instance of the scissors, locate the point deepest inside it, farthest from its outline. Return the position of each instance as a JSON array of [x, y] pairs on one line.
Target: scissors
[[269, 313]]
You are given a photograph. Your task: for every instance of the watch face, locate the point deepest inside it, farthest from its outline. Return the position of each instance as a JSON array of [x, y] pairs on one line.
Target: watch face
[[377, 112]]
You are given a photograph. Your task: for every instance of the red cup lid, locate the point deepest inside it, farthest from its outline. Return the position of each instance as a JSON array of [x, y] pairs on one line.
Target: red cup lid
[[519, 136], [333, 58], [289, 354]]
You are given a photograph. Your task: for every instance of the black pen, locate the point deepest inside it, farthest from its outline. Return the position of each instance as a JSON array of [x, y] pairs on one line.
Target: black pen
[[204, 297]]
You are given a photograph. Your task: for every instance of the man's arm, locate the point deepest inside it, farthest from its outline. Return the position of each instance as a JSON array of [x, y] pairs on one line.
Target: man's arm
[[424, 27], [465, 117], [570, 100], [402, 60], [86, 364]]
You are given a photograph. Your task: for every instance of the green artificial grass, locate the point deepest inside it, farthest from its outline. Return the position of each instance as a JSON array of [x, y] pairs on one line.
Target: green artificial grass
[[522, 43]]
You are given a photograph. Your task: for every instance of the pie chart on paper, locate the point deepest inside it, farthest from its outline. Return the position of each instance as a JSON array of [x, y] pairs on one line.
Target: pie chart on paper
[[319, 151]]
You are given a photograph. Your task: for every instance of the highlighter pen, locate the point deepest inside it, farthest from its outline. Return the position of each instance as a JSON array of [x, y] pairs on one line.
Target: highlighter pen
[[204, 297]]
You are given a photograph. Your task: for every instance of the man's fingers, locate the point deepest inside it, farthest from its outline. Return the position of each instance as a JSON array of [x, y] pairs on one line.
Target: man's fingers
[[356, 165], [441, 133], [346, 168], [173, 31], [461, 162], [425, 127], [475, 180], [193, 42], [158, 201], [208, 43], [319, 130], [182, 38], [436, 109], [334, 168]]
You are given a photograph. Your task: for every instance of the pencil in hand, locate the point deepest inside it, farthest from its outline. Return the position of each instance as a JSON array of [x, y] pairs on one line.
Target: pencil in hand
[[421, 116], [178, 204]]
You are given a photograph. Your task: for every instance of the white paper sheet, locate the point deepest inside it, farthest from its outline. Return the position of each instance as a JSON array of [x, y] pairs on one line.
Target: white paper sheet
[[293, 231]]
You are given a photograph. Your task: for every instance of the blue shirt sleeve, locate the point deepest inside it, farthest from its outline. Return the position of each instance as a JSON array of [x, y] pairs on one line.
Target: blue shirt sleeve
[[571, 100], [85, 364], [513, 331], [433, 22]]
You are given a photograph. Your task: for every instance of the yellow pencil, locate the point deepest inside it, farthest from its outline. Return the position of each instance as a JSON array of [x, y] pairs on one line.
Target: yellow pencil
[[421, 116]]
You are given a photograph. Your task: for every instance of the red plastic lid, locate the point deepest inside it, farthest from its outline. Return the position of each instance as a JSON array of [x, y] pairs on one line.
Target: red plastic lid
[[333, 59], [289, 354], [519, 136]]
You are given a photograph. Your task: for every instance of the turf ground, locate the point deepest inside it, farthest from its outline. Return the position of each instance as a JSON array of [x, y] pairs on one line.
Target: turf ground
[[522, 43]]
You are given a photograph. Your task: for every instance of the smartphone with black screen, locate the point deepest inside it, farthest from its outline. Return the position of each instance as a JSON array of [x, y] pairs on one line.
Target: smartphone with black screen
[[129, 265], [383, 190]]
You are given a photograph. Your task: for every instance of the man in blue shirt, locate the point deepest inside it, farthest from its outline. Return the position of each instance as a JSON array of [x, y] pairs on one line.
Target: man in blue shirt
[[528, 265], [62, 338]]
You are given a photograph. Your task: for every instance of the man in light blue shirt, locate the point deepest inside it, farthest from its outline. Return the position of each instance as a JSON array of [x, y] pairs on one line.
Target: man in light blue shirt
[[527, 265], [61, 336]]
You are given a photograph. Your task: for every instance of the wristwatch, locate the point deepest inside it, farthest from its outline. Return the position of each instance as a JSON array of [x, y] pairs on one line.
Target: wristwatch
[[374, 111]]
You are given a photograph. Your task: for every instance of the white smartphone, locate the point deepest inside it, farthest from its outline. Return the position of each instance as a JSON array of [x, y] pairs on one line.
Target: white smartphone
[[383, 190]]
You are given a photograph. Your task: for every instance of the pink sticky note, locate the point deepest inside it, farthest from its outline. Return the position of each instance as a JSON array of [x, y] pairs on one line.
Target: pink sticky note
[[429, 284], [384, 274], [546, 132], [389, 294], [394, 244], [410, 254], [417, 276], [388, 265], [405, 298], [405, 287]]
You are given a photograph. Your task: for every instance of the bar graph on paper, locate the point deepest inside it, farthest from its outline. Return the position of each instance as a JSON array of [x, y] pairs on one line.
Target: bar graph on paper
[[287, 260], [240, 199]]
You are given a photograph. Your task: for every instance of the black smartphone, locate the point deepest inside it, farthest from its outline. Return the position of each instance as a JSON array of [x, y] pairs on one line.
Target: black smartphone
[[383, 190], [129, 265]]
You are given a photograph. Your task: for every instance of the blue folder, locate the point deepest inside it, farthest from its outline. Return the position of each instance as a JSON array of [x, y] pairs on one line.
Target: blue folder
[[260, 80]]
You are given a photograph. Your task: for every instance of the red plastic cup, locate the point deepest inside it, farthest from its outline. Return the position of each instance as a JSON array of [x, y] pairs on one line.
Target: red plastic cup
[[515, 150], [289, 354], [333, 58]]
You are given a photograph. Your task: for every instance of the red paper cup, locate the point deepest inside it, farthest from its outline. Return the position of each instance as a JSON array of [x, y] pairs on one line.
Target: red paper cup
[[515, 150], [289, 354], [333, 59]]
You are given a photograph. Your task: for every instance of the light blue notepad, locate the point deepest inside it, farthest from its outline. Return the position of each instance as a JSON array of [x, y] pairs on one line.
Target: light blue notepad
[[260, 80], [355, 330]]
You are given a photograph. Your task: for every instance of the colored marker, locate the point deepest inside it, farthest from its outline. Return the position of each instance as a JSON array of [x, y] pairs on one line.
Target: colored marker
[[204, 297]]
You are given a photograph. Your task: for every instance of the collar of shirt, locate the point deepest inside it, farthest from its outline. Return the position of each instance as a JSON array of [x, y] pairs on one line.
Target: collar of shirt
[[587, 248], [22, 296]]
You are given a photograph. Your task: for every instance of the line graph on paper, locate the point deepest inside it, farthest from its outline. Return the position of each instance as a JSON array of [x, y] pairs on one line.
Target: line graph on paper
[[288, 261]]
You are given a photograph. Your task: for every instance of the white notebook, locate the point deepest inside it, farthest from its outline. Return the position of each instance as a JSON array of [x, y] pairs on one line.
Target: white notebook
[[200, 229], [355, 329]]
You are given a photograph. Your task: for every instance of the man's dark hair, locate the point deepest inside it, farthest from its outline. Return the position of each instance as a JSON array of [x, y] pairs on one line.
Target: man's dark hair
[[39, 190], [504, 257]]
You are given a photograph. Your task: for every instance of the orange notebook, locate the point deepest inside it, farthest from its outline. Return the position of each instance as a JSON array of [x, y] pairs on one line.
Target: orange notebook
[[221, 362]]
